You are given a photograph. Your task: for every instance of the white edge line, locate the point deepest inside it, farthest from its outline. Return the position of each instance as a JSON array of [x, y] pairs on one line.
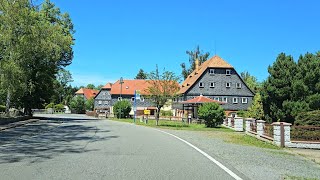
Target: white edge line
[[206, 155]]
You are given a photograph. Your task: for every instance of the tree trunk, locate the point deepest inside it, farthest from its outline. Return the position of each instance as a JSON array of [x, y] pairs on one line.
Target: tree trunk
[[8, 102]]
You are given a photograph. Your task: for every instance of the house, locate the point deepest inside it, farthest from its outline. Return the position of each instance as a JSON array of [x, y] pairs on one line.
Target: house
[[112, 93], [86, 93], [218, 80]]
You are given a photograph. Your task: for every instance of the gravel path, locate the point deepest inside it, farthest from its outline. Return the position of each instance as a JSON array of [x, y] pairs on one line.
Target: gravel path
[[254, 162]]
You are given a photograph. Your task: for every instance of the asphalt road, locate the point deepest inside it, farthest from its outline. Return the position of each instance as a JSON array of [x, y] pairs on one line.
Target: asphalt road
[[76, 147]]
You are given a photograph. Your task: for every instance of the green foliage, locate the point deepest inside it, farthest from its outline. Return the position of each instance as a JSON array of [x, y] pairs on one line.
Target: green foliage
[[2, 108], [90, 104], [251, 81], [242, 113], [77, 105], [141, 75], [256, 108], [166, 113], [308, 118], [121, 109], [91, 86], [59, 107], [193, 55], [51, 105], [212, 113]]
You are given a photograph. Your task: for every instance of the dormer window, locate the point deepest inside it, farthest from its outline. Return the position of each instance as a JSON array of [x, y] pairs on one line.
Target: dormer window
[[201, 84], [228, 72], [238, 85], [211, 84], [228, 84], [211, 71]]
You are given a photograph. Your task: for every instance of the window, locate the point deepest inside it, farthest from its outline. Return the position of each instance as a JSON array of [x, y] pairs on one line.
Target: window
[[211, 84], [244, 100], [228, 72], [119, 98], [235, 100], [100, 102], [141, 99], [225, 99], [228, 84], [238, 85], [211, 71], [201, 84], [105, 102], [216, 98], [132, 99]]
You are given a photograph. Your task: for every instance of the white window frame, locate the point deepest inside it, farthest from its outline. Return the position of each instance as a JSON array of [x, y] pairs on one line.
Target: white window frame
[[244, 100], [227, 84], [119, 98], [238, 85], [141, 99], [211, 71], [106, 103], [235, 100], [200, 85], [225, 99], [132, 99], [228, 72], [216, 99], [212, 86], [99, 102]]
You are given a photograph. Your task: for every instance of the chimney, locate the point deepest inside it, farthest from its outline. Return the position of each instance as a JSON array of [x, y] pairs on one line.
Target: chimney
[[197, 65]]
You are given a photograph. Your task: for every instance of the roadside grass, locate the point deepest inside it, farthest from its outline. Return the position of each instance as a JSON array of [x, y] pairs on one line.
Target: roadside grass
[[298, 178]]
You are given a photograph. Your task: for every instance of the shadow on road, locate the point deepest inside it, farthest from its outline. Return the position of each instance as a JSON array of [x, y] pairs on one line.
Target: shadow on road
[[49, 138]]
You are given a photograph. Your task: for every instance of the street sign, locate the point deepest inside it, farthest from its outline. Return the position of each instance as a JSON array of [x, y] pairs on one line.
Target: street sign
[[146, 112]]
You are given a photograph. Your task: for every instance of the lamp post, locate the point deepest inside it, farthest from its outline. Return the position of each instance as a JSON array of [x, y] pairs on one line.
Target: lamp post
[[121, 82]]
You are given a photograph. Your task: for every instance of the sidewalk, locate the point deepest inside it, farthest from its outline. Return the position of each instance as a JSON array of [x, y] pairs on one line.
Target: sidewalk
[[17, 124]]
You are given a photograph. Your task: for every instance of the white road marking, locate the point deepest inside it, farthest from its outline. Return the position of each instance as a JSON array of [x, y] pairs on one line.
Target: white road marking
[[206, 155]]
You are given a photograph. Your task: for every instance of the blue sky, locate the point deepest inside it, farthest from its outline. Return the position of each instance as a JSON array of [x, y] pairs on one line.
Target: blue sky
[[115, 38]]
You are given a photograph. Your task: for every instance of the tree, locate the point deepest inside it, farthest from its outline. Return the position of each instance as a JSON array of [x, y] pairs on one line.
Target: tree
[[193, 55], [91, 86], [250, 81], [162, 88], [90, 104], [212, 113], [122, 109], [36, 42], [99, 86], [141, 75], [256, 108], [78, 105]]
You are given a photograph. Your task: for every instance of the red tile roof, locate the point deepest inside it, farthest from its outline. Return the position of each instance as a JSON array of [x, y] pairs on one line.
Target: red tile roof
[[201, 99], [214, 62], [88, 93], [129, 86], [107, 86]]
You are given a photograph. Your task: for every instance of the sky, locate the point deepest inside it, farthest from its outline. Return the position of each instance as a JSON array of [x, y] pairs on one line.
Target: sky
[[116, 38]]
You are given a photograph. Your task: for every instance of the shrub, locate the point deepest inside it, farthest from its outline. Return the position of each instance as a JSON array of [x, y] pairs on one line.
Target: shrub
[[166, 113], [124, 106], [2, 108], [51, 105], [212, 113], [90, 104], [77, 104], [308, 118], [59, 107]]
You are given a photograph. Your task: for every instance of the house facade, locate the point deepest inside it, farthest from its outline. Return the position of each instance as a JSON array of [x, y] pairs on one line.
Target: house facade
[[102, 101], [217, 80]]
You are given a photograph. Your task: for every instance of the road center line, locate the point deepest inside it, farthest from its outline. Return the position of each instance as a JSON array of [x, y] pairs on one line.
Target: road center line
[[206, 155]]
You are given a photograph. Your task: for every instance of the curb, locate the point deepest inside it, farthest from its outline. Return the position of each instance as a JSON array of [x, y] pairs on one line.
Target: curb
[[17, 124]]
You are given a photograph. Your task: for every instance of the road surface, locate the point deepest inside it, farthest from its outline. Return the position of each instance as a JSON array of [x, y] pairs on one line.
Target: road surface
[[78, 147]]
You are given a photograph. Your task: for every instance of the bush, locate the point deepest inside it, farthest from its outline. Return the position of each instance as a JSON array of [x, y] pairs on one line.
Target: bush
[[59, 107], [51, 105], [308, 118], [166, 113], [90, 104], [212, 113], [2, 108], [124, 106], [77, 105]]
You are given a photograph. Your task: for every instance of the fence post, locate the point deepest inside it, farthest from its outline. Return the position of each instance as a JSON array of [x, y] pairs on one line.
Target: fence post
[[260, 127], [248, 122], [238, 124], [281, 133], [229, 121]]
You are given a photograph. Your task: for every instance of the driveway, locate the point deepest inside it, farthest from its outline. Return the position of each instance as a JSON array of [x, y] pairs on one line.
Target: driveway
[[78, 147]]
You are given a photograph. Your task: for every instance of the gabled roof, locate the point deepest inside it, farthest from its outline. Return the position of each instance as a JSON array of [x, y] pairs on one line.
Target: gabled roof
[[214, 62], [88, 93], [107, 86], [201, 99], [129, 86]]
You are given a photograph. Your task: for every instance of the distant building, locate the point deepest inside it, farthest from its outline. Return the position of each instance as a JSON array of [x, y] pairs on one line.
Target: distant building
[[218, 80], [86, 93]]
